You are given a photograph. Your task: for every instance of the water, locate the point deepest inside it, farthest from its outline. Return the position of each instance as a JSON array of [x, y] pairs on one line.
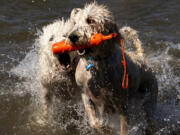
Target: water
[[158, 23]]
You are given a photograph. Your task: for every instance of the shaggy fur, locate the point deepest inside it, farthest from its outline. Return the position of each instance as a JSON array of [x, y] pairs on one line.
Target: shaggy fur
[[56, 70], [101, 85]]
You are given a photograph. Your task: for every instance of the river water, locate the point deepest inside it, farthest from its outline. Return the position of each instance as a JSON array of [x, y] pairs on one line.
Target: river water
[[21, 21]]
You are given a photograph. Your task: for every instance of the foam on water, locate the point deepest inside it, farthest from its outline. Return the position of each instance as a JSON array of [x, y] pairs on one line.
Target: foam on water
[[27, 70], [164, 62]]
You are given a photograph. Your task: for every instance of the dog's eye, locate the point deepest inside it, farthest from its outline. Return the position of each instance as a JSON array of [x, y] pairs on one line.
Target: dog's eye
[[51, 38], [90, 21]]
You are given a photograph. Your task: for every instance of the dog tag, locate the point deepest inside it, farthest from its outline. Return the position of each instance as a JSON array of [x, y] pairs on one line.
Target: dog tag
[[90, 65]]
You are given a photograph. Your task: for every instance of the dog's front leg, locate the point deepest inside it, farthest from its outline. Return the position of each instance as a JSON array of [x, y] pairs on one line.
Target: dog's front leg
[[90, 110], [46, 100], [123, 125]]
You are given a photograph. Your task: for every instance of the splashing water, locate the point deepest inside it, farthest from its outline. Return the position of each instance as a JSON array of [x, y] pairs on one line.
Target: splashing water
[[166, 64]]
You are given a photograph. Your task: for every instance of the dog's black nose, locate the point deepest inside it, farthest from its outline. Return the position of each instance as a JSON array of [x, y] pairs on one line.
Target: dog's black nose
[[73, 38]]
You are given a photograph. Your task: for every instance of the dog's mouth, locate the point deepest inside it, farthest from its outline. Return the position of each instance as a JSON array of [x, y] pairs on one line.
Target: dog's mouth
[[65, 61]]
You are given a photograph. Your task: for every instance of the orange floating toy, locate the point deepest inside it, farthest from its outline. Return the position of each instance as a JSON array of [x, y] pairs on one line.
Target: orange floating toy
[[95, 40]]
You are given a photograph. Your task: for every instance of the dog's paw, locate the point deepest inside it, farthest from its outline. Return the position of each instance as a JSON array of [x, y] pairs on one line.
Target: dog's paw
[[102, 128], [96, 123]]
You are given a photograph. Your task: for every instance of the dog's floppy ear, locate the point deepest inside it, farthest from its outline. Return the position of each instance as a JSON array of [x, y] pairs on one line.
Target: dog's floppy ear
[[74, 12]]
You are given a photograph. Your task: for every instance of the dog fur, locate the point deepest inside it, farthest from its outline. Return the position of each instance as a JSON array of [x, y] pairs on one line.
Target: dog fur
[[101, 85], [56, 70]]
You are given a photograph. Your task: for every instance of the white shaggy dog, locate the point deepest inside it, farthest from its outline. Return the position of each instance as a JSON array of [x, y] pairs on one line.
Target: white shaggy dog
[[56, 70]]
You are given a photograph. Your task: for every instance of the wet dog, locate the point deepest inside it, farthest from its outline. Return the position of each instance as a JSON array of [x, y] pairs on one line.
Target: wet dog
[[101, 85], [56, 70]]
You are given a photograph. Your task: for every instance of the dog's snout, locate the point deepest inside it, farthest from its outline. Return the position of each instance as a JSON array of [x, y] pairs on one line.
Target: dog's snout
[[73, 38]]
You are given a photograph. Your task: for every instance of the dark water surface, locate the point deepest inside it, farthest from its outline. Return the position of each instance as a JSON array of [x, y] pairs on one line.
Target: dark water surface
[[158, 23]]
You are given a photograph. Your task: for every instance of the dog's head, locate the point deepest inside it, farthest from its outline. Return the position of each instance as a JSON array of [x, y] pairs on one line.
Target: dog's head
[[92, 19], [52, 33]]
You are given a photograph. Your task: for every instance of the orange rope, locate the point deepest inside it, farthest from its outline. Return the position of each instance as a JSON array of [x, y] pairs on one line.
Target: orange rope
[[125, 76]]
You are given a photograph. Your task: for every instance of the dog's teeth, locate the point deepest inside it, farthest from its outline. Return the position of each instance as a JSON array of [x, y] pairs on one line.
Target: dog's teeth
[[67, 66]]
